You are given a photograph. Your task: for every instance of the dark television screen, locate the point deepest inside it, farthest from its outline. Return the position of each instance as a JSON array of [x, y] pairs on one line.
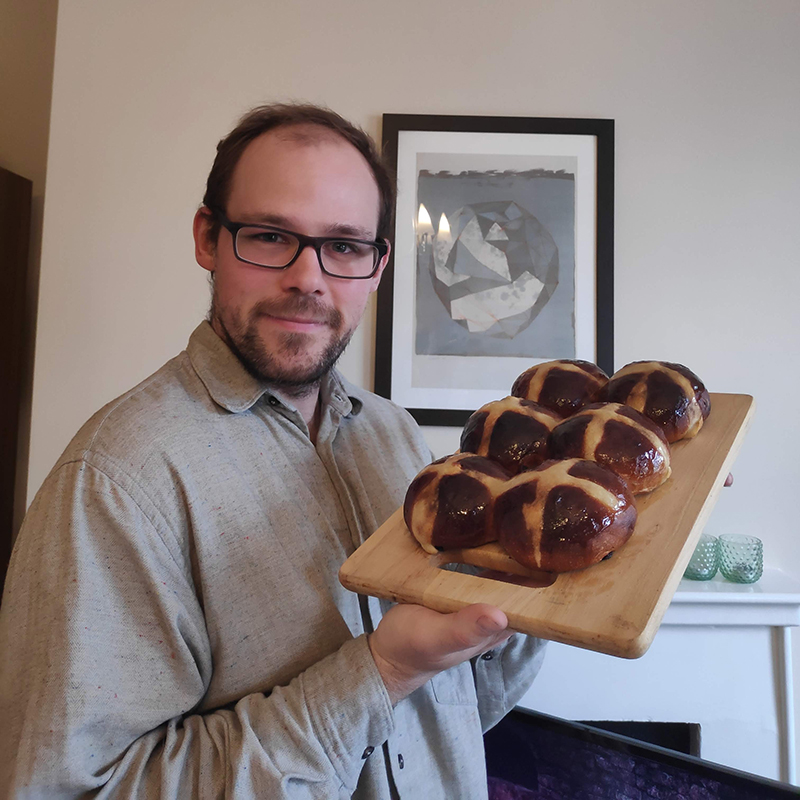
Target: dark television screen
[[533, 756]]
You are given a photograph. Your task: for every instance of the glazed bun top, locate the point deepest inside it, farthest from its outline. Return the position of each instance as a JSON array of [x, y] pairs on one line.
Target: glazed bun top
[[618, 437], [669, 394], [449, 503], [563, 386], [564, 515], [512, 431]]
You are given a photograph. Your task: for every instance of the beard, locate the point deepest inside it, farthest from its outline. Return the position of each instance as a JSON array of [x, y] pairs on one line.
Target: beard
[[289, 368]]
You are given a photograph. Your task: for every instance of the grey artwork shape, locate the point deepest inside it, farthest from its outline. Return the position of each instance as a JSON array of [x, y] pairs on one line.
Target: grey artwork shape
[[495, 269], [496, 224]]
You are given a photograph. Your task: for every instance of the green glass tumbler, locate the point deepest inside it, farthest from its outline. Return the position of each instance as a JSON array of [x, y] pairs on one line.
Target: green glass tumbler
[[741, 558], [705, 559]]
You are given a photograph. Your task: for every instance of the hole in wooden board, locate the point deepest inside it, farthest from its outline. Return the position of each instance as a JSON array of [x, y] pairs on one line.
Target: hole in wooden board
[[534, 580], [516, 574]]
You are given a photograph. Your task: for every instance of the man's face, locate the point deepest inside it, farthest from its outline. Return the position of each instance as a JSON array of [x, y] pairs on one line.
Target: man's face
[[289, 326]]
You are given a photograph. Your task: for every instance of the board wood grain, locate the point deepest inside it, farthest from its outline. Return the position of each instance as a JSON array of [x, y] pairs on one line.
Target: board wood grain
[[613, 607]]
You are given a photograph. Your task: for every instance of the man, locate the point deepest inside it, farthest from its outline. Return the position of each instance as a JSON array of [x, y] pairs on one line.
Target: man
[[172, 624]]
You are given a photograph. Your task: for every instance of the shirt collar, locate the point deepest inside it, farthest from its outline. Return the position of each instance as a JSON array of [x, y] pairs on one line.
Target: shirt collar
[[235, 389], [340, 394]]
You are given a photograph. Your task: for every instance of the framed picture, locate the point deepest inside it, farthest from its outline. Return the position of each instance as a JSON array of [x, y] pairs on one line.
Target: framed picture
[[502, 257]]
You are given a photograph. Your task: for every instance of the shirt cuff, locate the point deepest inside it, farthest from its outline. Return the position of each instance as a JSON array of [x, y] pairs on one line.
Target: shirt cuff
[[349, 707]]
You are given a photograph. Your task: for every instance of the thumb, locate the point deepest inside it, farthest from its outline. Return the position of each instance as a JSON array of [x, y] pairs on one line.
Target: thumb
[[476, 626]]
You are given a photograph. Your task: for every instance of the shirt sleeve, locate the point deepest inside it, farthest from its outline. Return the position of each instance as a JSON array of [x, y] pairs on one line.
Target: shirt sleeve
[[503, 675], [104, 659]]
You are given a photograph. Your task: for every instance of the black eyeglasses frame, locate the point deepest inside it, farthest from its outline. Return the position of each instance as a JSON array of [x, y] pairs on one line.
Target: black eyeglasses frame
[[316, 242]]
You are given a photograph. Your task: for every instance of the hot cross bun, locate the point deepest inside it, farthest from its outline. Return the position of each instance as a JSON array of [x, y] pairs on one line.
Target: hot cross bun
[[618, 437], [563, 386], [512, 431], [449, 504], [564, 515], [669, 394]]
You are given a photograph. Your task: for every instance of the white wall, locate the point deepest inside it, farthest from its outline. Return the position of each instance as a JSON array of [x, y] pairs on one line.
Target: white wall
[[705, 98]]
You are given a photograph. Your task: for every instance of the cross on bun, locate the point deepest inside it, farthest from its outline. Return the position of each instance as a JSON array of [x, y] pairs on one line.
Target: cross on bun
[[669, 394], [449, 504], [618, 437], [563, 386], [512, 431], [564, 515]]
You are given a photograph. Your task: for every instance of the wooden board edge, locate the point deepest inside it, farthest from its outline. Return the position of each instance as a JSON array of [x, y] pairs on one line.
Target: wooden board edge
[[661, 605]]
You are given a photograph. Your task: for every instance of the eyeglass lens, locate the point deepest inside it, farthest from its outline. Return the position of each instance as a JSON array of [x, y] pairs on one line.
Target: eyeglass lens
[[270, 248]]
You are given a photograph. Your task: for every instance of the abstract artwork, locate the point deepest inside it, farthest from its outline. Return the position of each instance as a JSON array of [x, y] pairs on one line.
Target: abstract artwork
[[493, 266], [498, 259]]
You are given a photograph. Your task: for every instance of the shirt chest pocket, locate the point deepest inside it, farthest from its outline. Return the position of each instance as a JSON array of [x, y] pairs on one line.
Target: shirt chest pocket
[[455, 686]]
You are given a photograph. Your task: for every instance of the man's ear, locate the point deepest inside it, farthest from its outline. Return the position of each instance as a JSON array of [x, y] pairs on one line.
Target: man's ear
[[205, 248], [376, 278]]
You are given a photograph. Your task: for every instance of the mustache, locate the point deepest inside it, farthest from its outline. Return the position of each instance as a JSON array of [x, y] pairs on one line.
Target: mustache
[[303, 306]]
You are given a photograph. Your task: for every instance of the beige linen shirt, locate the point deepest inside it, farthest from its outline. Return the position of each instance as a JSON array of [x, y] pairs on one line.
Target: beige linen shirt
[[172, 624]]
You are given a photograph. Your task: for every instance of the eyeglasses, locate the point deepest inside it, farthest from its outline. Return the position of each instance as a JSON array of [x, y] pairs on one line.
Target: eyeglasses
[[275, 248]]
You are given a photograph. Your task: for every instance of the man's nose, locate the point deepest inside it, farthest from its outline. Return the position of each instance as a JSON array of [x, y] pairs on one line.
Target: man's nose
[[306, 273]]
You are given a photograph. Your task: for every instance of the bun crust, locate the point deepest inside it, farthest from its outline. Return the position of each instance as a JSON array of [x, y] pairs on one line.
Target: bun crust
[[565, 515], [617, 437], [669, 394], [550, 472], [563, 386], [512, 431], [450, 502]]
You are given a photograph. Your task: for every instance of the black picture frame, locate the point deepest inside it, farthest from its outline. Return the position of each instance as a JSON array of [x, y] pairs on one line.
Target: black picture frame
[[407, 139]]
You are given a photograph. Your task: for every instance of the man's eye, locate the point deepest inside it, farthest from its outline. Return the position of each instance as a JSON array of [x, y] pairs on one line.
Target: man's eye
[[350, 253], [267, 237]]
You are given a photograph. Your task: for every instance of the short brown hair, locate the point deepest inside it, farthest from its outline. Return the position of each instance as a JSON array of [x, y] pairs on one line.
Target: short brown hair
[[266, 118]]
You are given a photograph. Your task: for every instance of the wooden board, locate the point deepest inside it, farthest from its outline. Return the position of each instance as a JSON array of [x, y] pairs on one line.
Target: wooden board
[[614, 607]]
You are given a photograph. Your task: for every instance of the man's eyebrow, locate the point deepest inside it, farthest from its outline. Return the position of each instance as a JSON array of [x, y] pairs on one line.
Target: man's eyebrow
[[353, 231], [336, 229]]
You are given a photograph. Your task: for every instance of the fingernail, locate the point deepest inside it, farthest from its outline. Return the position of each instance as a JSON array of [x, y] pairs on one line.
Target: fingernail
[[489, 625]]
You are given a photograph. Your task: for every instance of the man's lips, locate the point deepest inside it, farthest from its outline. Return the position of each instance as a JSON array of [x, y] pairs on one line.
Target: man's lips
[[297, 323], [298, 315]]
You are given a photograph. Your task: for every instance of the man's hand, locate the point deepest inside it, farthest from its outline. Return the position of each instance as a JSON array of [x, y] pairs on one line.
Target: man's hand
[[412, 643]]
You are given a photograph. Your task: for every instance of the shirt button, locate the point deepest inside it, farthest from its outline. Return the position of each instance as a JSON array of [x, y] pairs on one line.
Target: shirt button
[[368, 752], [487, 656], [400, 760], [273, 401]]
